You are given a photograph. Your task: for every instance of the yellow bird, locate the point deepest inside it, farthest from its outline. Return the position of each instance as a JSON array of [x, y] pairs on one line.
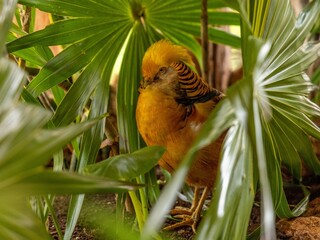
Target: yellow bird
[[173, 104]]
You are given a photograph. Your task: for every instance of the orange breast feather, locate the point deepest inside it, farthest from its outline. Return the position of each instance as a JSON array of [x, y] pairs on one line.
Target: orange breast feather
[[161, 121]]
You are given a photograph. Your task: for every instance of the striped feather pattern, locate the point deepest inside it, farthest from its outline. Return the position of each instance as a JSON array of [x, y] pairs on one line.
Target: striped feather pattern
[[193, 89]]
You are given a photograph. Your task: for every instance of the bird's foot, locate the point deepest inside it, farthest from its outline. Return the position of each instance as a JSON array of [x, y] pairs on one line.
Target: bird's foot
[[188, 218], [180, 211]]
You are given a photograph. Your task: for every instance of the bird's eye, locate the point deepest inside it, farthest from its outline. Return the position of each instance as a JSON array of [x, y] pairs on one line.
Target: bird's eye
[[162, 70]]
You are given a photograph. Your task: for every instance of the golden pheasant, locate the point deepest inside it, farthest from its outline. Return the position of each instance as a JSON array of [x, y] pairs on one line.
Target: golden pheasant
[[173, 104]]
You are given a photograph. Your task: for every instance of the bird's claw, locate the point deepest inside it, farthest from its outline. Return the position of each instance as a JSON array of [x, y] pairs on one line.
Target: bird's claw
[[180, 211], [187, 221], [188, 218]]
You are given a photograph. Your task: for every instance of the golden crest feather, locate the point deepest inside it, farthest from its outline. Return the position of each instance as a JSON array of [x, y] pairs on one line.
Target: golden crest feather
[[162, 54]]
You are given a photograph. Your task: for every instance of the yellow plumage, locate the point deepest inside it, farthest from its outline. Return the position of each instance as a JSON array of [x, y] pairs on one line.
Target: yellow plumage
[[163, 53], [172, 106]]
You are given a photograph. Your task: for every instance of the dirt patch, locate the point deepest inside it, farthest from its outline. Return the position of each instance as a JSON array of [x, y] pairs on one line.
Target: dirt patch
[[84, 229], [306, 226]]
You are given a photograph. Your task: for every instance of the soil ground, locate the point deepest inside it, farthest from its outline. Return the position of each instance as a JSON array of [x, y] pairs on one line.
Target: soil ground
[[306, 227]]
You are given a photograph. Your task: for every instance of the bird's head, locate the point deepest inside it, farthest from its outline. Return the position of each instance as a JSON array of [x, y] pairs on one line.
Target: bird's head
[[157, 63]]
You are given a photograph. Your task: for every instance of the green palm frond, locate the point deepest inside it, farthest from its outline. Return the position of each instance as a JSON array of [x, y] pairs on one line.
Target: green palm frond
[[25, 147], [272, 104]]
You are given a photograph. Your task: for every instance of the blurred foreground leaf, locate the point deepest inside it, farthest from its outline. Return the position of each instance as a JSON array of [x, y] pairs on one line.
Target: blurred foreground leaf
[[127, 166], [25, 146]]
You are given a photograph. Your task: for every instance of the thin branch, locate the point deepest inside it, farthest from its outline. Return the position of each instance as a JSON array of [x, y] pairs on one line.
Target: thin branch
[[204, 39], [26, 19]]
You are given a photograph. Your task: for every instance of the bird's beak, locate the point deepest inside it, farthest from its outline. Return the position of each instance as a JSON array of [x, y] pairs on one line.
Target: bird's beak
[[144, 83]]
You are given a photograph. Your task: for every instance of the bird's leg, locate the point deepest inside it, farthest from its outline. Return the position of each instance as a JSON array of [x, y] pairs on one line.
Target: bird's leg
[[191, 216], [197, 212], [180, 212]]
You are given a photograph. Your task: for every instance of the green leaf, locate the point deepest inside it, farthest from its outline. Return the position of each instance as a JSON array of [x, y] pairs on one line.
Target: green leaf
[[22, 133], [127, 94], [99, 70], [127, 166], [284, 211], [222, 37], [280, 89], [64, 65], [18, 127], [37, 56], [28, 98], [17, 220], [76, 8], [316, 76], [93, 138], [25, 147], [63, 32], [10, 90], [91, 143], [123, 231], [74, 209], [77, 96], [6, 13], [234, 191], [223, 18], [41, 182], [257, 105], [58, 94]]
